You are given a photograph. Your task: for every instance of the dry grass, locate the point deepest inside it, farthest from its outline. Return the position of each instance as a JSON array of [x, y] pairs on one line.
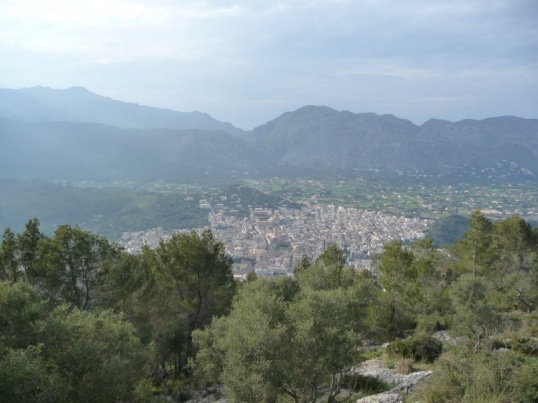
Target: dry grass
[[404, 366]]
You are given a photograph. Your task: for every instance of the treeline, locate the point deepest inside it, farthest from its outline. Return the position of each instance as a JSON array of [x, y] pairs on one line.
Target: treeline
[[80, 320], [297, 337]]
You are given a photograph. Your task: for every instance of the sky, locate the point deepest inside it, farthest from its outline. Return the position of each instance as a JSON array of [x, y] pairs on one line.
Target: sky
[[248, 61]]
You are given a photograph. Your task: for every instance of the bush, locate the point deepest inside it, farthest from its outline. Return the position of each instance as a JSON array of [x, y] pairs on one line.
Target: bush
[[523, 384], [419, 348], [361, 383], [524, 345], [496, 376], [429, 324]]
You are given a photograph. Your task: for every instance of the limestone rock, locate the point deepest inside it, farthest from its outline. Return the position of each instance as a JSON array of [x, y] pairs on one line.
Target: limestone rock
[[401, 383], [382, 398]]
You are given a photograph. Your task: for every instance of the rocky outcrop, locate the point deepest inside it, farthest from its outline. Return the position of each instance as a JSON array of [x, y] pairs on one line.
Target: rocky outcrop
[[213, 394], [400, 382], [382, 398], [412, 379]]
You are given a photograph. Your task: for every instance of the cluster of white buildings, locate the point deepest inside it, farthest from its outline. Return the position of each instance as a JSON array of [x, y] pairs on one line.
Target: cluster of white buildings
[[272, 241]]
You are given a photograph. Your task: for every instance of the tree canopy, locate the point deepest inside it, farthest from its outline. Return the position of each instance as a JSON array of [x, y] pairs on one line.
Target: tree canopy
[[285, 336], [82, 320]]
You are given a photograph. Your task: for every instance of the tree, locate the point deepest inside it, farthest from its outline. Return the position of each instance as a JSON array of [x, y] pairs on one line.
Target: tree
[[518, 290], [249, 350], [21, 307], [75, 260], [8, 257], [475, 316], [332, 255], [397, 276], [515, 269], [515, 243], [304, 264], [327, 326], [474, 251], [66, 355], [194, 282], [329, 270], [514, 234], [28, 245], [286, 337], [97, 356], [26, 377], [432, 274], [395, 266], [128, 285]]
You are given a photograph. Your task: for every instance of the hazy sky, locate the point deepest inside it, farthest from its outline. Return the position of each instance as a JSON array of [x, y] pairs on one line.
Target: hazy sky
[[248, 61]]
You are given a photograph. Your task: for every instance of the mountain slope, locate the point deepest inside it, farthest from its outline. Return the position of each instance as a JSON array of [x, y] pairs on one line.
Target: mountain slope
[[324, 139], [75, 134], [77, 104], [77, 151]]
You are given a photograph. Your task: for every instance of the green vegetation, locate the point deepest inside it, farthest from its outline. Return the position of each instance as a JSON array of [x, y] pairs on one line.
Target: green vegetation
[[64, 354], [105, 211], [421, 347], [409, 195], [111, 208], [108, 209], [490, 376], [81, 320], [288, 337], [447, 229]]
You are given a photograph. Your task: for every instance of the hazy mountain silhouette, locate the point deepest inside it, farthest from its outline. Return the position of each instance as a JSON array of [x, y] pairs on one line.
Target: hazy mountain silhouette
[[53, 134], [77, 104], [321, 138], [77, 151]]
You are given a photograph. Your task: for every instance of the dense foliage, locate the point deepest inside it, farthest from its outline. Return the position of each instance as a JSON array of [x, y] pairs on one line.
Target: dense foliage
[[447, 230], [81, 320], [286, 336], [63, 354], [296, 338]]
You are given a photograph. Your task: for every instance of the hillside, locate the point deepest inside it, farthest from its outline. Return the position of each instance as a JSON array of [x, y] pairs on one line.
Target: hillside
[[107, 212], [79, 151], [324, 139]]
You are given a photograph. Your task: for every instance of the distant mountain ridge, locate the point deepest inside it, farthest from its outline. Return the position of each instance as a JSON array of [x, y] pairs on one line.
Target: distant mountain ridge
[[323, 138], [73, 133], [77, 104], [93, 151]]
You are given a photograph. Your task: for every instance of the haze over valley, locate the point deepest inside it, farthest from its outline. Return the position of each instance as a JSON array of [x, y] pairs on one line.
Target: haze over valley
[[137, 173]]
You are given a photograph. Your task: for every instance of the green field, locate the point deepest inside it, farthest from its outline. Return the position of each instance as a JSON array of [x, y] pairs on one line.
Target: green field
[[110, 208]]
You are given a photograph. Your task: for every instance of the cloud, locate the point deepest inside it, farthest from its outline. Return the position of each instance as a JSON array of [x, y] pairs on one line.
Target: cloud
[[130, 30], [112, 30], [229, 57]]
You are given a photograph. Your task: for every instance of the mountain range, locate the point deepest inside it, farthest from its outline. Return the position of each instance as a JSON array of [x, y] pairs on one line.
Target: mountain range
[[77, 104], [74, 134]]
